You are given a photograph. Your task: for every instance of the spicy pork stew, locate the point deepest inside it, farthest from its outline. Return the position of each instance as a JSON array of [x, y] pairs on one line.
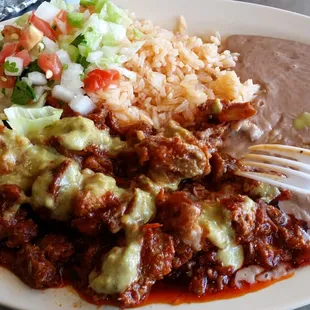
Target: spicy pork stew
[[84, 195]]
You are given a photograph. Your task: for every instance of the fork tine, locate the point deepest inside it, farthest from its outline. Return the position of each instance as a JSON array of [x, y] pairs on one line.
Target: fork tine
[[287, 171], [292, 152], [277, 160], [274, 180]]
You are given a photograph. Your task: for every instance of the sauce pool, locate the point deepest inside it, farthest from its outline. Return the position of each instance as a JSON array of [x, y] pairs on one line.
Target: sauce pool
[[172, 294]]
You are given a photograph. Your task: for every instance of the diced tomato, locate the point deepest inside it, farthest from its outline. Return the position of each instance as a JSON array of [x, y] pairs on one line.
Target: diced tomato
[[62, 25], [106, 74], [8, 50], [43, 26], [100, 79], [30, 37], [62, 15], [11, 33], [93, 83], [25, 56], [50, 62], [6, 81]]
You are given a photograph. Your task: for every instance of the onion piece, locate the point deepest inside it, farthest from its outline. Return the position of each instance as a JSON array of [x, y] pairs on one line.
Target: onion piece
[[27, 80], [94, 56], [37, 78], [61, 25], [63, 57], [39, 91], [47, 11], [82, 105], [50, 46], [62, 93], [71, 77], [16, 66]]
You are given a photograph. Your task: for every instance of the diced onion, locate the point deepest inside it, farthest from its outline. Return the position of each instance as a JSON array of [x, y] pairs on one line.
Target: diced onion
[[63, 57], [39, 91], [50, 46], [94, 56], [62, 93], [27, 80], [61, 25], [25, 120], [47, 11], [18, 66], [82, 105], [71, 77], [37, 78]]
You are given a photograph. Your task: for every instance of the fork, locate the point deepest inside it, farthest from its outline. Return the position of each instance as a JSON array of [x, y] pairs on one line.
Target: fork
[[283, 166]]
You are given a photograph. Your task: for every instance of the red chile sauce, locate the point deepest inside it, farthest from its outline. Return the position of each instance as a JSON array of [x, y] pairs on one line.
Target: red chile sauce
[[172, 294]]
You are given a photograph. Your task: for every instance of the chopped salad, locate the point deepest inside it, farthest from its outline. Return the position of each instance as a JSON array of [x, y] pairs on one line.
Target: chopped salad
[[64, 51]]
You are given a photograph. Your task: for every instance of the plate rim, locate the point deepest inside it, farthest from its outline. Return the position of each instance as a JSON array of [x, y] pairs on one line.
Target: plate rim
[[4, 274]]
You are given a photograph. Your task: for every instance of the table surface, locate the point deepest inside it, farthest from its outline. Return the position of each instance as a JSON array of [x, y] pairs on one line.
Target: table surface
[[299, 6]]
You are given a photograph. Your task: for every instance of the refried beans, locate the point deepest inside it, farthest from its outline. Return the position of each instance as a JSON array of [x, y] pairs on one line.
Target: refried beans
[[282, 68]]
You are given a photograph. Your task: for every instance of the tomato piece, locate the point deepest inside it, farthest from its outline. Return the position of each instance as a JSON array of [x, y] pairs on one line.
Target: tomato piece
[[8, 50], [50, 62], [25, 56], [112, 75], [30, 37], [6, 81], [62, 25], [100, 79], [11, 33], [43, 26], [93, 83]]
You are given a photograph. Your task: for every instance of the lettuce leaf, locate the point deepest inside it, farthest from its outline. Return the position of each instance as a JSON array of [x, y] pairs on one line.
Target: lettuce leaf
[[112, 13], [110, 56], [24, 121], [104, 28], [22, 20], [63, 5]]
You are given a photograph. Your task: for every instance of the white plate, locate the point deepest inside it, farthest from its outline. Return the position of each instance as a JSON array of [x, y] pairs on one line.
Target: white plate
[[203, 17]]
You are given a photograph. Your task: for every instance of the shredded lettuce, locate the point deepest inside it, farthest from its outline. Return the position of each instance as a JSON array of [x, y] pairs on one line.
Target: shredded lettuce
[[22, 20], [76, 19], [102, 41], [128, 52], [112, 13], [62, 5], [107, 63], [111, 56], [24, 121], [87, 2], [84, 49], [104, 28], [93, 40], [99, 5], [73, 53]]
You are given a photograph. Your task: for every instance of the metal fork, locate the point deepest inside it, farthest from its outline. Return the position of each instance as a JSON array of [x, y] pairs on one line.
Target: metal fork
[[288, 168]]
